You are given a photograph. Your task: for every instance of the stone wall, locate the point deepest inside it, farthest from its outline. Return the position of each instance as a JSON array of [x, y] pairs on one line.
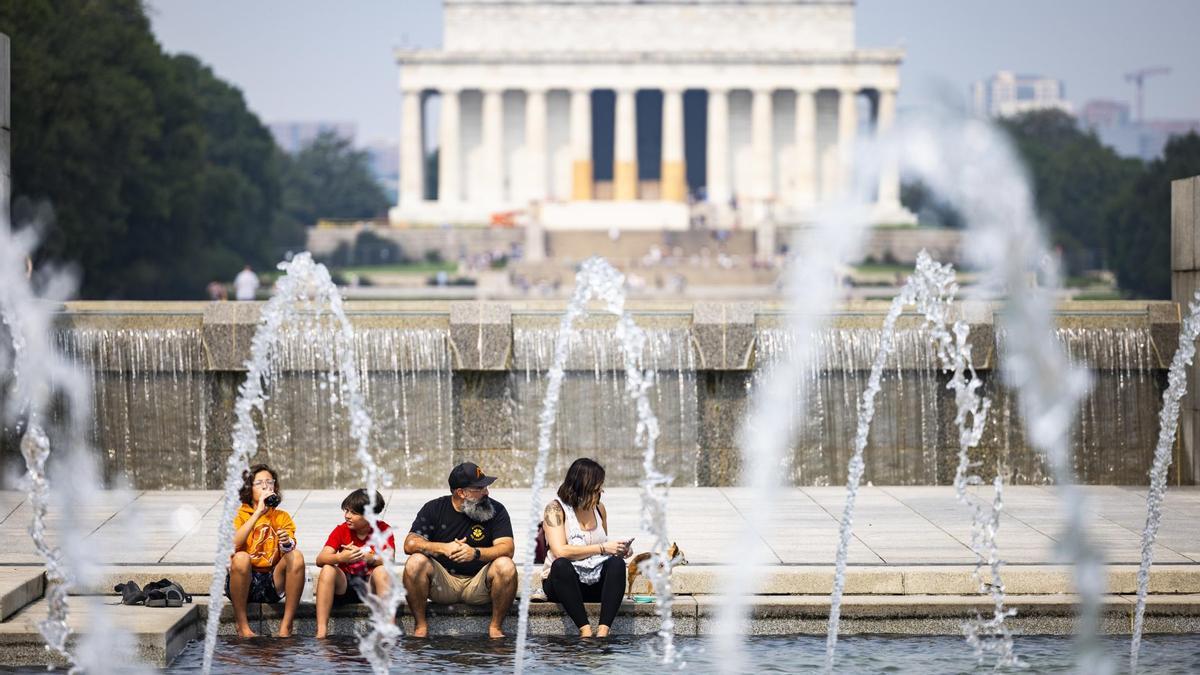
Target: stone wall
[[899, 245], [1185, 281], [415, 243], [625, 26], [457, 381], [902, 244]]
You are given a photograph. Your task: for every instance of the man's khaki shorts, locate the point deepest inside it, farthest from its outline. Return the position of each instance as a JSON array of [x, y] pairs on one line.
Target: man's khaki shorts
[[447, 589]]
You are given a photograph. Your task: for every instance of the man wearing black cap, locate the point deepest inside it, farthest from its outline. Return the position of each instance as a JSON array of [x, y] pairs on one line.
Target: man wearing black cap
[[460, 549]]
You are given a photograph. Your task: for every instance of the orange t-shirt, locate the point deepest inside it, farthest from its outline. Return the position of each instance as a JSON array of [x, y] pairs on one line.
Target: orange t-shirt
[[263, 540]]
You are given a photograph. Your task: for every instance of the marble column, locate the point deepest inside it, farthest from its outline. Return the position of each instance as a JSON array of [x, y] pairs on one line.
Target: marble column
[[412, 152], [889, 175], [674, 172], [761, 122], [492, 155], [717, 181], [847, 132], [806, 148], [760, 144], [449, 151], [581, 145], [625, 171], [535, 145]]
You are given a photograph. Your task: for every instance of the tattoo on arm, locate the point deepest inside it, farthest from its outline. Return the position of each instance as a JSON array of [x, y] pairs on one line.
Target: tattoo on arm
[[554, 514]]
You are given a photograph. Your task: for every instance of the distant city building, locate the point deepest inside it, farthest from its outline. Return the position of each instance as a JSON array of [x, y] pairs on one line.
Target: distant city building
[[1006, 94], [1104, 113], [294, 136], [385, 165], [1113, 124]]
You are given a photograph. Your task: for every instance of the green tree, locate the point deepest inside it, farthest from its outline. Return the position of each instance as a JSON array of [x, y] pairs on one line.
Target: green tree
[[1074, 179], [239, 195], [1141, 218], [330, 179], [159, 177], [930, 210]]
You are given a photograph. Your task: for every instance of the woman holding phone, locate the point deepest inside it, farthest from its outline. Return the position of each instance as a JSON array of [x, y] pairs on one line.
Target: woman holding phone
[[582, 564]]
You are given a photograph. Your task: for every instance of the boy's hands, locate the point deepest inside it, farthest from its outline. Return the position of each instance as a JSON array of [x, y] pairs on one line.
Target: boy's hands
[[351, 553]]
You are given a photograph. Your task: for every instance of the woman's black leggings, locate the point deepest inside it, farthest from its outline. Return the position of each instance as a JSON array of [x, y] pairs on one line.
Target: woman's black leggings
[[563, 587]]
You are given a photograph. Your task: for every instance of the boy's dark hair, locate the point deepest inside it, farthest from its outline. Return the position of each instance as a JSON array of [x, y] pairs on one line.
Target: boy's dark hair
[[246, 494], [582, 483], [357, 502]]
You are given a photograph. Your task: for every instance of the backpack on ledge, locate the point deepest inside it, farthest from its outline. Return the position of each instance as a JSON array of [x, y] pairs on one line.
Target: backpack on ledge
[[540, 548]]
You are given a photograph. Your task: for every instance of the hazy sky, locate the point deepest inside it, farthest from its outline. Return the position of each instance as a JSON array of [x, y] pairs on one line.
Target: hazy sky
[[304, 60]]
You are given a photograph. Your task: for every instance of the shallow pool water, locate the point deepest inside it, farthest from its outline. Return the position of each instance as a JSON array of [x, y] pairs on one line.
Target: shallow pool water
[[776, 654]]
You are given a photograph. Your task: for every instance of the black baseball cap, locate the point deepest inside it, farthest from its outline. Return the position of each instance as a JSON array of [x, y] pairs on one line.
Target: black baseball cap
[[469, 475]]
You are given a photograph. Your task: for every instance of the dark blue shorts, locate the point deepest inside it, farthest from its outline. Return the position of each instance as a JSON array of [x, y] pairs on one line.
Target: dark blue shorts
[[262, 588], [355, 587]]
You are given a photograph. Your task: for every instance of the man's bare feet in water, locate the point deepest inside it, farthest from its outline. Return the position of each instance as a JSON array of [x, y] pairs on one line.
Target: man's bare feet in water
[[495, 632], [245, 632], [421, 631], [285, 632]]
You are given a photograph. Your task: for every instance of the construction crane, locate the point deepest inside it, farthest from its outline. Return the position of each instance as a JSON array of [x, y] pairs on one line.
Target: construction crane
[[1138, 78]]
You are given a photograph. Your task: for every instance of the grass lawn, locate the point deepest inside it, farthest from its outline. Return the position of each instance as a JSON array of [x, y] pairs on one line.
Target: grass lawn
[[402, 268], [1100, 295], [883, 268]]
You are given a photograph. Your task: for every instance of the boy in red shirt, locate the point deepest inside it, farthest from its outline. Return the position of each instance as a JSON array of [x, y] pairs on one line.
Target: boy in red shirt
[[348, 561]]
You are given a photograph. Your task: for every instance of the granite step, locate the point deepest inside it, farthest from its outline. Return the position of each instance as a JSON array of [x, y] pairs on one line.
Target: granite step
[[158, 634], [776, 615], [778, 579], [19, 587]]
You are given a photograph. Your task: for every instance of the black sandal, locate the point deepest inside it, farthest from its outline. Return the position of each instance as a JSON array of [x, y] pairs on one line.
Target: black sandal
[[168, 594], [130, 593]]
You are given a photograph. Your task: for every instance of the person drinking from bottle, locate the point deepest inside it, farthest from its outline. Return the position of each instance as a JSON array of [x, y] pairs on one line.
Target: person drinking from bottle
[[265, 558]]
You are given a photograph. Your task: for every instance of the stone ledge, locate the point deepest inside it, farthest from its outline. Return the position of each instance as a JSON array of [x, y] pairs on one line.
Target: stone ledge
[[775, 580], [724, 335], [19, 586], [159, 634], [481, 335], [227, 331]]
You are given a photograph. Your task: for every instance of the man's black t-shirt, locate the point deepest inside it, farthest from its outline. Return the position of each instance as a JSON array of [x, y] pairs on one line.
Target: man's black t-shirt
[[437, 521]]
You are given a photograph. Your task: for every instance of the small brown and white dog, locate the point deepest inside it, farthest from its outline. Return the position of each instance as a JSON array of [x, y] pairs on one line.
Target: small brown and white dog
[[674, 554]]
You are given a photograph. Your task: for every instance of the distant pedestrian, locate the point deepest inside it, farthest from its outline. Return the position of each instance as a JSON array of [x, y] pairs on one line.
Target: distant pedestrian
[[216, 291], [245, 285]]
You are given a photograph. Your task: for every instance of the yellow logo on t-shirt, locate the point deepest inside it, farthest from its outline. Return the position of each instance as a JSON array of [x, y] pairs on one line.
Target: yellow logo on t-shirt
[[477, 533]]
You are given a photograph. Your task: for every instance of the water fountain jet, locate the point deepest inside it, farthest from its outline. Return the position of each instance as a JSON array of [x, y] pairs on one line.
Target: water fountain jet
[[599, 280], [45, 404], [1185, 353], [302, 297]]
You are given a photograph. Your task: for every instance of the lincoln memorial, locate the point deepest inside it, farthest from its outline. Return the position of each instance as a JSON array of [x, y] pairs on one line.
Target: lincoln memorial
[[641, 114]]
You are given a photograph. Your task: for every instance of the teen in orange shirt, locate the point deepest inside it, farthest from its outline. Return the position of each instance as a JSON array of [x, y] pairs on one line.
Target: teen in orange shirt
[[265, 556]]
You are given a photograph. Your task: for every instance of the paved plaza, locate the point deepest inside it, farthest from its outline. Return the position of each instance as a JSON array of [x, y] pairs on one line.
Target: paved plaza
[[894, 526], [911, 563]]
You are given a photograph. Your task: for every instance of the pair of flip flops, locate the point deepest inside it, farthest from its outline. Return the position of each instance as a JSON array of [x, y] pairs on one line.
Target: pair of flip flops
[[161, 593]]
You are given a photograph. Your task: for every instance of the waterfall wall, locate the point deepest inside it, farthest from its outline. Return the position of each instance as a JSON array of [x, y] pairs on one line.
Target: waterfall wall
[[447, 382]]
